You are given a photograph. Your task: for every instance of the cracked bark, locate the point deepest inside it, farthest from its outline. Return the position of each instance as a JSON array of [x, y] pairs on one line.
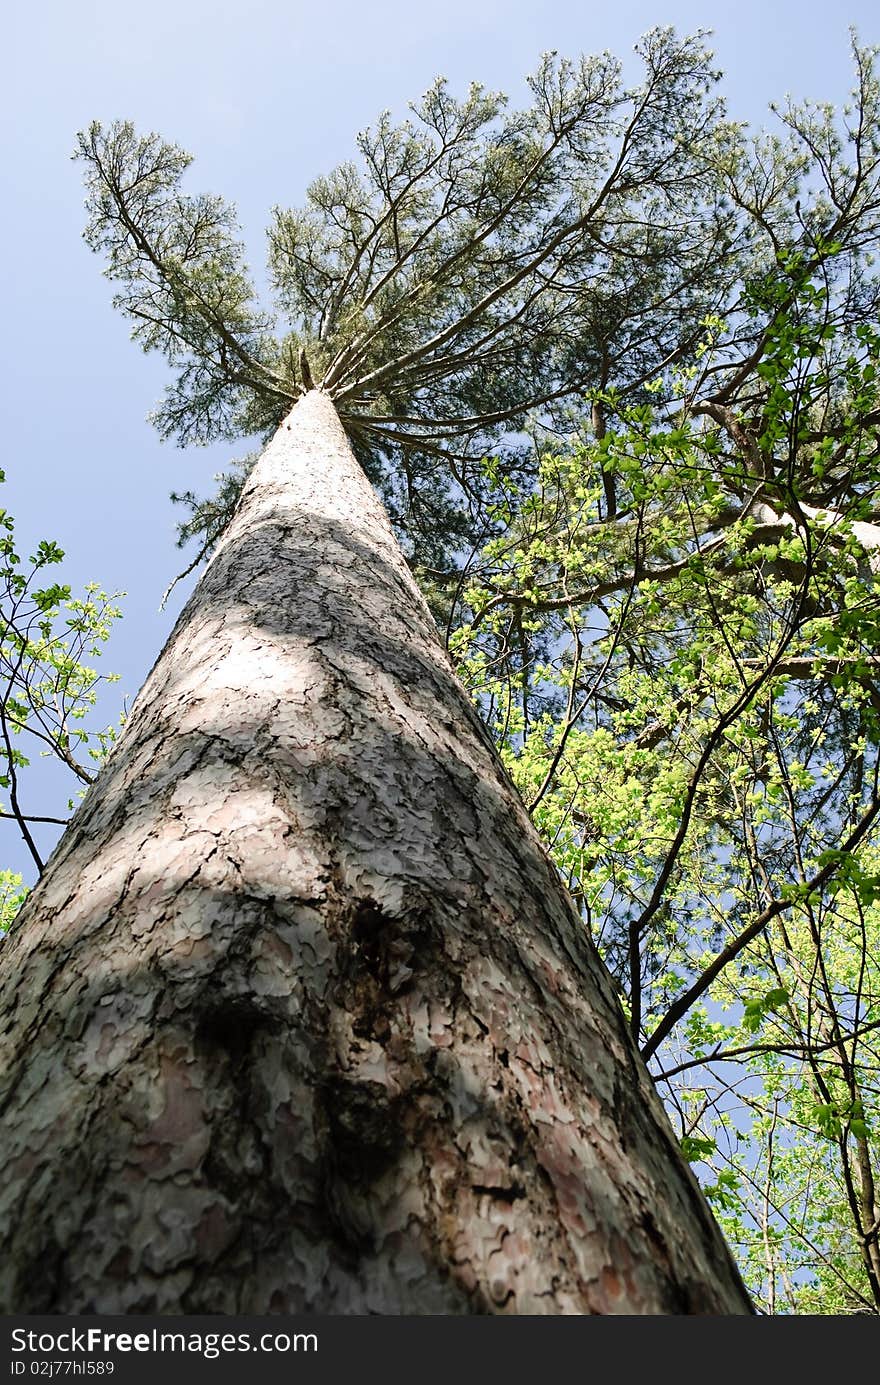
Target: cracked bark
[[299, 1018]]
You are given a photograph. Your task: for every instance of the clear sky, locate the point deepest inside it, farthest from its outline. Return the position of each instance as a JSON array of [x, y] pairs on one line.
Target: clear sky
[[266, 94]]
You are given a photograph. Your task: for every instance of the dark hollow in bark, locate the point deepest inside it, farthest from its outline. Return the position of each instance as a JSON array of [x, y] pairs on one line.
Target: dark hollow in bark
[[300, 1018]]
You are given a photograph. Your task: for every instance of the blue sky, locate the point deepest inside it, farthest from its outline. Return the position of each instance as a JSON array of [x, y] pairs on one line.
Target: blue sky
[[266, 95]]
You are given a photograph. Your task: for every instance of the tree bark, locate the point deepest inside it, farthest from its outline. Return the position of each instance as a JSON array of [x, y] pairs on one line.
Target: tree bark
[[300, 1018]]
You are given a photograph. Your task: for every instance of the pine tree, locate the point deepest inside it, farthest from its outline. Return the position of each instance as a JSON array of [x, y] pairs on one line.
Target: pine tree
[[300, 1017]]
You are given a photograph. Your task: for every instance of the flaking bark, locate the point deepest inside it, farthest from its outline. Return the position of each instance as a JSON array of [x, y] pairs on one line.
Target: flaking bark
[[300, 1018]]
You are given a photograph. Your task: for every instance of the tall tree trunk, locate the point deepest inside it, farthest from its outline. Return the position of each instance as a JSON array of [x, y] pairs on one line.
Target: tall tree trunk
[[300, 1018]]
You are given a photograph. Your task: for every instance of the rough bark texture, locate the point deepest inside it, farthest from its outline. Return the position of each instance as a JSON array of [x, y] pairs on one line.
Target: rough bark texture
[[300, 1018]]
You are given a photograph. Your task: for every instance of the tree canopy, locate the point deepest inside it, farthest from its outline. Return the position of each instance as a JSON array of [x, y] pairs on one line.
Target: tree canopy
[[479, 264]]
